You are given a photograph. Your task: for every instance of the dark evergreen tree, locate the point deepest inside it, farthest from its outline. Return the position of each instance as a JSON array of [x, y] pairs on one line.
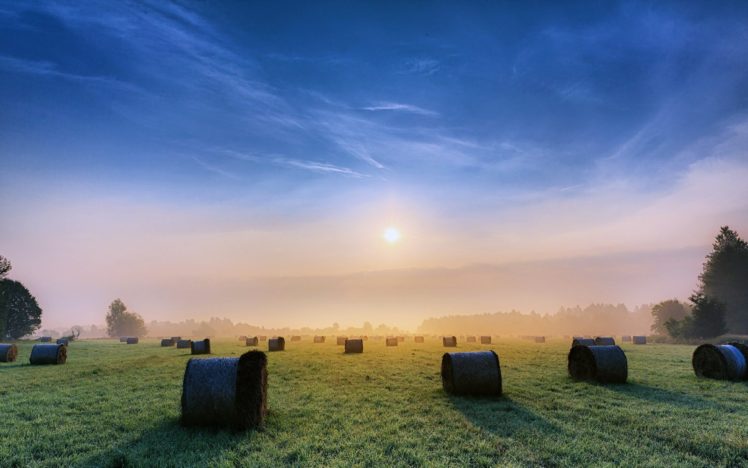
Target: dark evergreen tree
[[20, 314]]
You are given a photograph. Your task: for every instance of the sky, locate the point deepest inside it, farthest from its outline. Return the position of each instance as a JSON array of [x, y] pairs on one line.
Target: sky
[[243, 159]]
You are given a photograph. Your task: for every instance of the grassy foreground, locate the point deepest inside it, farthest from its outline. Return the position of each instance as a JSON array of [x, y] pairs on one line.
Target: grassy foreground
[[118, 405]]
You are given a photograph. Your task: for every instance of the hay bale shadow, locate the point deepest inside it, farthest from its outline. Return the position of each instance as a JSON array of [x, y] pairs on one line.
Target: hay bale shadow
[[660, 395], [502, 416]]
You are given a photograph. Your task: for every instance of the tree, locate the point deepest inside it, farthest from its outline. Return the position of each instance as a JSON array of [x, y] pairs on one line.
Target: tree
[[120, 322], [665, 311], [20, 314], [725, 278], [707, 319], [5, 267]]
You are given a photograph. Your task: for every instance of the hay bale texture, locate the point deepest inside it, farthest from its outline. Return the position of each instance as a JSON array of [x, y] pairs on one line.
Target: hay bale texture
[[604, 341], [184, 344], [319, 339], [166, 342], [252, 341], [277, 344], [8, 352], [604, 364], [391, 342], [354, 346], [63, 341], [721, 362], [449, 341], [418, 339], [48, 354], [341, 340], [474, 373], [132, 340], [485, 340], [200, 346], [639, 340], [580, 341], [225, 392]]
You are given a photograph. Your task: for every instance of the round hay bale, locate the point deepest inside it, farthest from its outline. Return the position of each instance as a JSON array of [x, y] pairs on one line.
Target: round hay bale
[[184, 344], [226, 392], [721, 362], [48, 354], [167, 342], [354, 346], [200, 346], [604, 364], [45, 339], [391, 342], [604, 341], [123, 339], [626, 338], [471, 339], [63, 341], [252, 341], [485, 340], [296, 338], [539, 339], [132, 340], [418, 339], [341, 340], [277, 344], [449, 341], [579, 341], [640, 340], [319, 339], [8, 352], [474, 373]]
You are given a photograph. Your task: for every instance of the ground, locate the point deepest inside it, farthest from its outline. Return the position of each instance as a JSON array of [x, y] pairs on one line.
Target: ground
[[114, 404]]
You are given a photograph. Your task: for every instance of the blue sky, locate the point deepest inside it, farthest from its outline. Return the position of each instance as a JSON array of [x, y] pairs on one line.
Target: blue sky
[[480, 128]]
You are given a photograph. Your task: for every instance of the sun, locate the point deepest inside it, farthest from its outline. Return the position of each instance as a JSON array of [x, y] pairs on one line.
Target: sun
[[391, 235]]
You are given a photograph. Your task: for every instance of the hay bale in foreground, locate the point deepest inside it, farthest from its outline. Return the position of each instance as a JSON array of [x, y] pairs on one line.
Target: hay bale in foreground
[[474, 373], [277, 344], [252, 341], [354, 346], [640, 340], [226, 392], [604, 364], [626, 338], [296, 338], [471, 339], [45, 339], [485, 340], [63, 341], [391, 342], [319, 339], [341, 340], [540, 339], [166, 342], [604, 341], [48, 354], [184, 344], [418, 339], [580, 341], [449, 341], [721, 362], [132, 340], [8, 352], [200, 346]]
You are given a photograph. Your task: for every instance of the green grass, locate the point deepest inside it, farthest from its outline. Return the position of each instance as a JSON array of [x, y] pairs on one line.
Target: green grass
[[118, 405]]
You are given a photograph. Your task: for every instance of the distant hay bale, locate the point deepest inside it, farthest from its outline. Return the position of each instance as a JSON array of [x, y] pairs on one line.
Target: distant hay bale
[[123, 339], [296, 338], [45, 339], [626, 338], [63, 341], [184, 344], [471, 339], [639, 340], [48, 354], [176, 338], [540, 339], [200, 346], [449, 341], [225, 392], [391, 342], [319, 339], [485, 340], [604, 364], [604, 341], [166, 342], [341, 340], [354, 346], [474, 373], [8, 352], [132, 340], [721, 362], [418, 339], [580, 341], [252, 341], [277, 344]]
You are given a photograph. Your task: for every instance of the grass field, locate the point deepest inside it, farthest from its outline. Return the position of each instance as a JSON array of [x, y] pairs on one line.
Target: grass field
[[118, 405]]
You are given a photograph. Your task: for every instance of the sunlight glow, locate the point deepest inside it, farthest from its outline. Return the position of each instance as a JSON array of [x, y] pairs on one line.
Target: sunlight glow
[[391, 235]]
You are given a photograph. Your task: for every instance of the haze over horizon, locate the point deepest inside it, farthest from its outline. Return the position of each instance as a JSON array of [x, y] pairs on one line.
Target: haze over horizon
[[243, 160]]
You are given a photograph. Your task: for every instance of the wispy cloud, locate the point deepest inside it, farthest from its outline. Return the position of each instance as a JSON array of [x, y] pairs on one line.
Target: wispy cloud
[[422, 66], [214, 169], [313, 166], [396, 106]]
